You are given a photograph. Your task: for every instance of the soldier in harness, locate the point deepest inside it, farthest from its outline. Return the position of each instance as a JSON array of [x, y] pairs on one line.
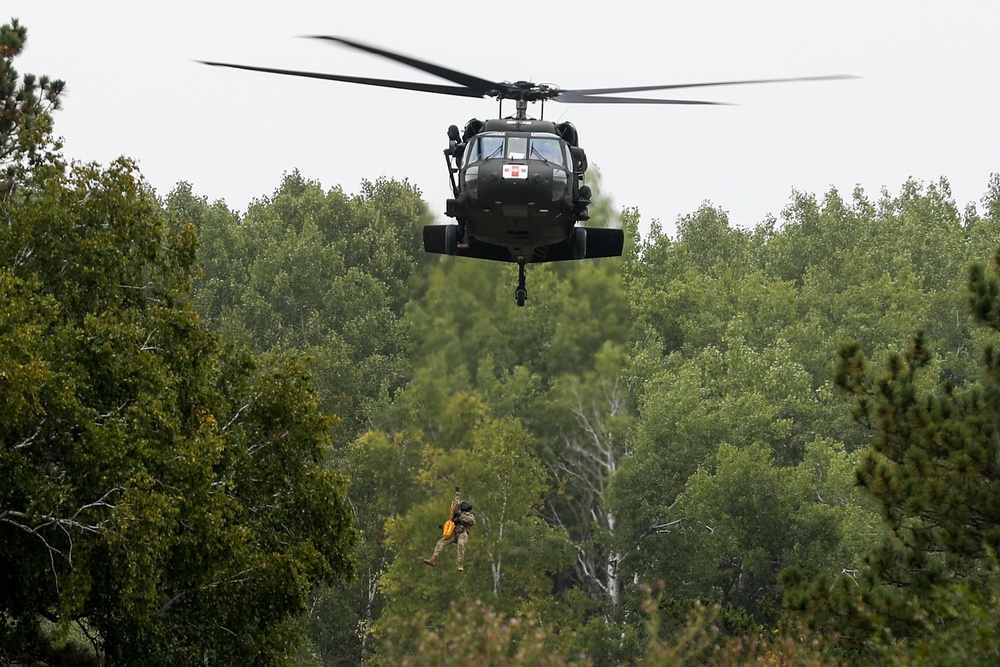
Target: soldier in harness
[[455, 531]]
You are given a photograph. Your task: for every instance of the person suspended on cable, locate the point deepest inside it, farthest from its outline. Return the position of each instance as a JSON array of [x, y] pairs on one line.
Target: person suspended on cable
[[455, 531]]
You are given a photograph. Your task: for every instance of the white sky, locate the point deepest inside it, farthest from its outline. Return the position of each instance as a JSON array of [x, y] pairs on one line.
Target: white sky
[[926, 106]]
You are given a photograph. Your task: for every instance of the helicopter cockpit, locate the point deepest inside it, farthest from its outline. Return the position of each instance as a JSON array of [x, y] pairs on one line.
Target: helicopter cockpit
[[535, 146]]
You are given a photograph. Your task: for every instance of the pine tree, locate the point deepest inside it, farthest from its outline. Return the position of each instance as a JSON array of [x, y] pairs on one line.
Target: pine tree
[[25, 117], [933, 469]]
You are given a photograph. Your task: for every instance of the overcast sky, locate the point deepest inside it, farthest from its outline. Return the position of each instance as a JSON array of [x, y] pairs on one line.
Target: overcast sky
[[926, 107]]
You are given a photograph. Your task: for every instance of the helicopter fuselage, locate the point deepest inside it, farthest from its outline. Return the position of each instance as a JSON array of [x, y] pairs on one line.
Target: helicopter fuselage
[[518, 187], [519, 197]]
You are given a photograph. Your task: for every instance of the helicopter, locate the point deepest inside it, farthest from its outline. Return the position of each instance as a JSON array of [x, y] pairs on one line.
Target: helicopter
[[517, 182]]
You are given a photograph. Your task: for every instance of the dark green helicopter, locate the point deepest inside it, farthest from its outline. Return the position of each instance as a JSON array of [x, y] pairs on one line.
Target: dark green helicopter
[[517, 182]]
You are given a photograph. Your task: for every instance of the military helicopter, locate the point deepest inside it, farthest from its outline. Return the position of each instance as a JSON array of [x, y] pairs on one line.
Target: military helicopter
[[518, 182]]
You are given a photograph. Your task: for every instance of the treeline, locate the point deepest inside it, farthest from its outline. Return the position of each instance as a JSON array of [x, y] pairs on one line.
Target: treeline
[[230, 437], [678, 419]]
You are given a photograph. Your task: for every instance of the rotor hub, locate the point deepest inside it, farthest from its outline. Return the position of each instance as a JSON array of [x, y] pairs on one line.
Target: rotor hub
[[525, 91]]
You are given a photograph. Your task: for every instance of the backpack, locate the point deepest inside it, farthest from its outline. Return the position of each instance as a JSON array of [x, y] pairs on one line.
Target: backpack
[[448, 528]]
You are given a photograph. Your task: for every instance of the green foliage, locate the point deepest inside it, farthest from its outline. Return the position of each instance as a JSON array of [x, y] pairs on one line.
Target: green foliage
[[511, 553], [553, 366], [381, 469], [737, 426], [969, 637], [472, 633], [932, 469], [833, 269], [26, 145], [158, 486], [320, 272], [741, 518], [695, 394]]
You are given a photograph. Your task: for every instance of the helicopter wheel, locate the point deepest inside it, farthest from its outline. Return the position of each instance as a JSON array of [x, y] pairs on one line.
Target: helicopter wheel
[[451, 239], [579, 243], [521, 293]]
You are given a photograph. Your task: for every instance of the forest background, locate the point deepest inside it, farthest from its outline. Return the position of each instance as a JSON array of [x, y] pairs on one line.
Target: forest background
[[232, 436]]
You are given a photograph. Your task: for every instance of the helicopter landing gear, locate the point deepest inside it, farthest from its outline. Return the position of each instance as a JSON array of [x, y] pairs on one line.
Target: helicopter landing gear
[[582, 202], [521, 293], [451, 234]]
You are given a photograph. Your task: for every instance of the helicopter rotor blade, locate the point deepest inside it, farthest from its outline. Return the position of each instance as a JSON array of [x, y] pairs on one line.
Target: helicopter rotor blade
[[367, 81], [482, 86], [675, 86], [572, 97], [473, 86]]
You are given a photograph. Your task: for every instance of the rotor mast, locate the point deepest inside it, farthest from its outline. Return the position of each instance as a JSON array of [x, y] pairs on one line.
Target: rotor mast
[[521, 109]]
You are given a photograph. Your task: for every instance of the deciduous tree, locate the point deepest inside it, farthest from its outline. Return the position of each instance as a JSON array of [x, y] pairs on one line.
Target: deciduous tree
[[162, 493]]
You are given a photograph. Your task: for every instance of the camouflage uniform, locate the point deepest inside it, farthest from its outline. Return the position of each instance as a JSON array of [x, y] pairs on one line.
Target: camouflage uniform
[[463, 522]]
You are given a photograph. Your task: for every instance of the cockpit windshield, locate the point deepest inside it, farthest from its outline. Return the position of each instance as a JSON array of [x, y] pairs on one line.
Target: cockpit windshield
[[547, 149], [485, 147], [518, 147]]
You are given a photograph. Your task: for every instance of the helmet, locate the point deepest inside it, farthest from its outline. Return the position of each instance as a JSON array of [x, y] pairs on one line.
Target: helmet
[[464, 506]]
